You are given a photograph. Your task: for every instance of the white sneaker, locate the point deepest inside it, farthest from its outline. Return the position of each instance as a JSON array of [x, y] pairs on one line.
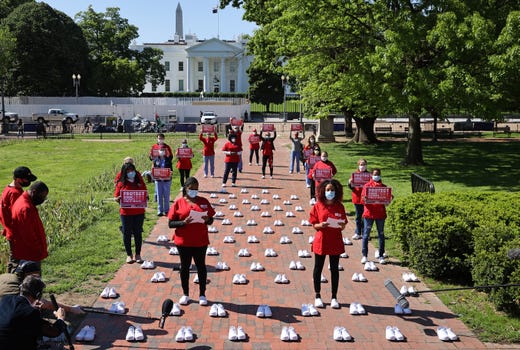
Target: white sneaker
[[376, 254], [188, 333], [367, 266], [305, 310], [292, 265], [173, 251], [224, 266], [242, 279], [347, 241], [334, 304], [284, 279], [184, 300], [260, 311], [336, 335], [245, 201], [130, 334], [398, 335], [364, 260], [278, 278], [355, 277], [389, 333], [344, 255], [442, 334], [154, 278], [104, 294], [82, 333], [196, 279], [382, 261], [345, 335], [373, 266], [221, 312], [176, 310], [403, 291], [299, 266], [318, 303], [313, 310], [293, 336], [179, 337], [311, 239], [285, 334], [360, 309], [361, 277], [297, 231], [356, 236], [323, 279], [312, 202], [138, 333], [412, 291], [353, 309], [241, 335], [267, 311], [203, 301], [451, 334], [236, 279]]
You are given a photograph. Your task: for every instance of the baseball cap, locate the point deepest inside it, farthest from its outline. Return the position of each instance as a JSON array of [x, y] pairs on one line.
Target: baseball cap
[[23, 172]]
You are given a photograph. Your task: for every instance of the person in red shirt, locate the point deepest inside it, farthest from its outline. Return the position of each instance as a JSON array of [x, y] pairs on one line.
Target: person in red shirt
[[125, 161], [237, 132], [132, 219], [191, 235], [356, 199], [184, 164], [28, 240], [232, 151], [371, 213], [312, 148], [267, 152], [328, 218], [254, 146], [208, 152], [323, 164]]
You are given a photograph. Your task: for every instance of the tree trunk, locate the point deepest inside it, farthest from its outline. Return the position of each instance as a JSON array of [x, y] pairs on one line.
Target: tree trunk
[[435, 116], [364, 130], [414, 147], [348, 114]]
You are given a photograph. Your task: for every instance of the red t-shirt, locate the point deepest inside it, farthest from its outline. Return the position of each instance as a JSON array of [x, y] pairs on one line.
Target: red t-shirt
[[254, 141], [193, 234], [28, 240], [322, 165], [127, 185], [373, 211], [209, 144], [9, 196], [234, 149], [327, 241], [184, 163]]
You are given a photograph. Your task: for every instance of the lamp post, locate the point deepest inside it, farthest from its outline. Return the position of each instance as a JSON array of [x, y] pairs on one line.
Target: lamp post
[[4, 121], [75, 83], [285, 80]]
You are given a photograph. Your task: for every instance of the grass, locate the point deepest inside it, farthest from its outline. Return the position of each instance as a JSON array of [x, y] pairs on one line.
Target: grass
[[84, 166]]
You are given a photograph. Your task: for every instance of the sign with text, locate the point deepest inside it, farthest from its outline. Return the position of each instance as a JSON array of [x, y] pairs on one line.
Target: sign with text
[[321, 174], [155, 152], [307, 153], [254, 139], [360, 179], [161, 173], [184, 152], [236, 122], [133, 198], [378, 195], [313, 159], [207, 128], [296, 127], [267, 127]]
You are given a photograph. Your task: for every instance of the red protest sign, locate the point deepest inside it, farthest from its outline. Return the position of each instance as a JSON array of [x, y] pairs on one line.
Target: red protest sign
[[236, 122], [360, 179], [307, 153], [322, 174], [254, 139], [378, 195], [133, 198], [296, 127], [184, 153], [267, 127], [161, 173], [313, 159], [206, 128]]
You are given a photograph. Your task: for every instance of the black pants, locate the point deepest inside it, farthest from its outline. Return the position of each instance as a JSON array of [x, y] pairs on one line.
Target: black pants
[[185, 173], [198, 254], [230, 167], [313, 189], [255, 152], [267, 159], [132, 225], [319, 261]]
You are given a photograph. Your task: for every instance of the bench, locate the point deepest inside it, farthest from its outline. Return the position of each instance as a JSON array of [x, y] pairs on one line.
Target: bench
[[502, 130]]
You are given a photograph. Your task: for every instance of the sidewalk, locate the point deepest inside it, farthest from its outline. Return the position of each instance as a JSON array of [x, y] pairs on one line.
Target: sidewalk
[[143, 299]]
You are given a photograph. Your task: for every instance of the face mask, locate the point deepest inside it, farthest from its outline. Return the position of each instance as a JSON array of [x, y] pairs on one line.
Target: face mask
[[192, 193], [232, 140], [316, 152], [130, 175], [324, 159], [160, 141], [311, 141], [376, 178], [37, 200], [362, 167], [330, 195], [184, 145]]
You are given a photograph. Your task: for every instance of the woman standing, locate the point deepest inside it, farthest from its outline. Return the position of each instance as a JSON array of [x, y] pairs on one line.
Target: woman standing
[[131, 218], [356, 198], [296, 152], [189, 216], [232, 151], [328, 218], [267, 152], [184, 155], [254, 146], [208, 152]]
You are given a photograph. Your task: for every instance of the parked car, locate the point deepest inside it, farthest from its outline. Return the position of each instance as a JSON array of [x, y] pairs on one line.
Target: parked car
[[100, 128], [55, 114], [208, 118], [10, 117]]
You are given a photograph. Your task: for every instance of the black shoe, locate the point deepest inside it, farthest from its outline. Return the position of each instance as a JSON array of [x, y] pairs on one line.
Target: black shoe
[[160, 214]]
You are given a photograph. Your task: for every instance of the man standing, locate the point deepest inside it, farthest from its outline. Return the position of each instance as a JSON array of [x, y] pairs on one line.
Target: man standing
[[22, 177], [28, 240]]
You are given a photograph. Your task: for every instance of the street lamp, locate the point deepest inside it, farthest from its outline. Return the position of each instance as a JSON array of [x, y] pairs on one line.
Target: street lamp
[[75, 83], [285, 81]]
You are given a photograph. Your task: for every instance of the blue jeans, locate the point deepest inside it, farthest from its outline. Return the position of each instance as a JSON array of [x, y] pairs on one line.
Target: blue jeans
[[380, 224], [132, 225], [209, 162], [307, 170], [162, 188], [295, 157], [359, 219]]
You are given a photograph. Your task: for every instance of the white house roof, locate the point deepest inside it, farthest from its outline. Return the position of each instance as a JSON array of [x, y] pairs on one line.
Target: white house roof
[[213, 48]]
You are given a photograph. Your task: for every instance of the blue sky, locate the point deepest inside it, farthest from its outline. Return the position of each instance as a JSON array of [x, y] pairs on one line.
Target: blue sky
[[156, 18]]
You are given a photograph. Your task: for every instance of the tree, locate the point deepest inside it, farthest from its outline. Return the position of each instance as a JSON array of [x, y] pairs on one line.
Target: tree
[[49, 48], [7, 6], [265, 87]]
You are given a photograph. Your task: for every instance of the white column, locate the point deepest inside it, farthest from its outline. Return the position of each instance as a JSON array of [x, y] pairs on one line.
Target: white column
[[240, 76], [207, 79], [224, 86], [188, 74]]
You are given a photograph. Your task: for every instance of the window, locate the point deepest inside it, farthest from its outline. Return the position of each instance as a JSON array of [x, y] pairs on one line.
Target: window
[[167, 85], [181, 85], [232, 67], [154, 88], [167, 66], [181, 66], [215, 66], [232, 85], [200, 85], [200, 66]]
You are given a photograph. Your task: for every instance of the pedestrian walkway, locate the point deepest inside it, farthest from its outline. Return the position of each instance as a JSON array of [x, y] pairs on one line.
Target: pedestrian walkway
[[143, 299]]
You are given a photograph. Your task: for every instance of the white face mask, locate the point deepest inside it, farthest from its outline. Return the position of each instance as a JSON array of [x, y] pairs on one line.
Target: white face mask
[[362, 168], [160, 141], [324, 159], [376, 178]]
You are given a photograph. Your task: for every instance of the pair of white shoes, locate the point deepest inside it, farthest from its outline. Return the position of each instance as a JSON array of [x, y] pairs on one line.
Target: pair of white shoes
[[252, 239], [319, 303], [244, 190], [158, 277], [236, 333], [356, 237], [134, 333], [226, 222], [294, 197], [393, 334], [238, 214], [265, 214], [359, 277], [251, 223], [275, 196], [446, 334], [269, 252], [287, 203], [376, 254], [281, 279], [264, 201], [147, 265], [399, 310], [256, 266], [255, 208], [244, 252], [278, 223], [222, 200], [238, 229], [289, 334], [109, 292], [239, 279], [87, 333], [370, 266], [184, 300], [219, 214], [277, 208], [211, 251], [289, 214], [341, 334], [185, 333], [213, 195], [232, 196], [173, 251], [285, 240], [305, 223], [246, 201], [162, 239], [265, 191], [304, 253], [410, 277], [357, 309], [347, 241], [118, 307], [264, 311], [408, 291], [176, 310], [222, 266], [212, 229], [309, 310], [228, 239], [298, 208], [296, 265], [233, 207], [297, 230], [217, 310], [254, 196]]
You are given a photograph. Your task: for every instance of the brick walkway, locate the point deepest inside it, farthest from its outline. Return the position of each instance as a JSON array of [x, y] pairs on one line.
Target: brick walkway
[[143, 299]]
